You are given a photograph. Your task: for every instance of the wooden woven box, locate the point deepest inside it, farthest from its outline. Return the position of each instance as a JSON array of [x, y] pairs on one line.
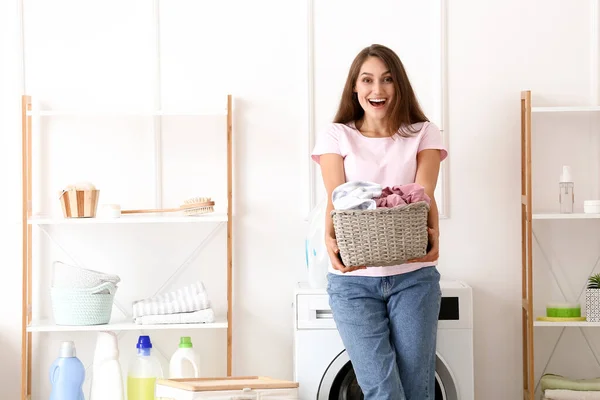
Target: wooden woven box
[[79, 203], [242, 388]]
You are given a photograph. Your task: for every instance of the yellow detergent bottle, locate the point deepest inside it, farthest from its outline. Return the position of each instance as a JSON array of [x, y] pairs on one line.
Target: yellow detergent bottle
[[143, 372]]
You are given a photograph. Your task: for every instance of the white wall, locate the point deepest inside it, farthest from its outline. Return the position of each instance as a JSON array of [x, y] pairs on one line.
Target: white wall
[[495, 50], [10, 231]]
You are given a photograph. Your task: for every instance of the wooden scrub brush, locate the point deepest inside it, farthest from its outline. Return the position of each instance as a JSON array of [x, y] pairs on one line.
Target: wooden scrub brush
[[193, 206]]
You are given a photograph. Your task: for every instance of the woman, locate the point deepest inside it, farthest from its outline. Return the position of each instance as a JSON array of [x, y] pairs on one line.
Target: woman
[[387, 316]]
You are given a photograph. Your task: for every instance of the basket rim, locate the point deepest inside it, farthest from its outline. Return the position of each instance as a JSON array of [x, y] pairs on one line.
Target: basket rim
[[401, 207], [87, 291]]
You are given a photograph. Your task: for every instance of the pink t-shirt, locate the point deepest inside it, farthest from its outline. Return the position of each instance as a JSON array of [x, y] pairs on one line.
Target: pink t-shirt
[[389, 161]]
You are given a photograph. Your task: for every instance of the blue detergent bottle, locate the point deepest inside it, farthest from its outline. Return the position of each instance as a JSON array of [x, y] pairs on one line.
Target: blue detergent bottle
[[67, 375]]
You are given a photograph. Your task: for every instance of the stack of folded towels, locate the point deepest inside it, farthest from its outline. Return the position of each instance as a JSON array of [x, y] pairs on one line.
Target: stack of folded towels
[[187, 305], [556, 387]]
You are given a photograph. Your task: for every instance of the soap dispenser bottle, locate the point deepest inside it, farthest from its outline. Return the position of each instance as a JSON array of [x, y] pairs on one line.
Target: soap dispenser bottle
[[566, 195]]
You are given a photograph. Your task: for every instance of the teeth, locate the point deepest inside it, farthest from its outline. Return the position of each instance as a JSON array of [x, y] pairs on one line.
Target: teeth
[[377, 100]]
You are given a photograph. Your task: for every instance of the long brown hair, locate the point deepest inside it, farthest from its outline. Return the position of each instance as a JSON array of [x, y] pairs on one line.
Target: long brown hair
[[405, 109]]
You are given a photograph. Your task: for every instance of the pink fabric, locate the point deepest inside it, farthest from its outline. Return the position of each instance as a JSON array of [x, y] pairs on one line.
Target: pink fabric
[[389, 161], [402, 195]]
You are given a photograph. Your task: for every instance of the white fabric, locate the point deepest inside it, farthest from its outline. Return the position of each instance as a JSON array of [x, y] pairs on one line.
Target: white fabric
[[562, 394], [186, 299], [196, 317], [356, 195]]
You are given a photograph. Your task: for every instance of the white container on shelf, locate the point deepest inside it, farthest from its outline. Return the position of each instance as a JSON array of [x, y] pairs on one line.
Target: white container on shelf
[[107, 375], [591, 206], [184, 363]]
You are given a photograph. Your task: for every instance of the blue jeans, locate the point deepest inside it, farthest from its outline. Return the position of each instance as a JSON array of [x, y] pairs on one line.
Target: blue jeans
[[389, 328]]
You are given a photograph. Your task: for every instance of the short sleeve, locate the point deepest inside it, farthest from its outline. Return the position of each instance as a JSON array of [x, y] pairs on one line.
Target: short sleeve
[[328, 142], [432, 139]]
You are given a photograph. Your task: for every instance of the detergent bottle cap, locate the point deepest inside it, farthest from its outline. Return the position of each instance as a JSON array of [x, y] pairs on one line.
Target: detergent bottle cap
[[144, 342], [67, 349], [185, 342]]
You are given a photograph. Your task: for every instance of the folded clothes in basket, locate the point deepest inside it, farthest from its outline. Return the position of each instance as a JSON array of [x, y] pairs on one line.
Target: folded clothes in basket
[[402, 195], [184, 300], [363, 195], [355, 195], [563, 394], [196, 317]]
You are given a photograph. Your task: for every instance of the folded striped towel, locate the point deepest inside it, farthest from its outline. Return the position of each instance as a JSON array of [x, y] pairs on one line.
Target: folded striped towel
[[196, 317], [186, 299], [563, 394], [552, 381]]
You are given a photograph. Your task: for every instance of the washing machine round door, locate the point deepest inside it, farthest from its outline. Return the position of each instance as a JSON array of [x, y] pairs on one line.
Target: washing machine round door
[[339, 381]]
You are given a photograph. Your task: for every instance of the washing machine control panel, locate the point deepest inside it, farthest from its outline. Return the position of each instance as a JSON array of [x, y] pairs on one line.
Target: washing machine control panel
[[313, 311]]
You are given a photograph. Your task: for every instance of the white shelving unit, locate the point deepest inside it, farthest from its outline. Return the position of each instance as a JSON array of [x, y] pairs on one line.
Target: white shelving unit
[[29, 325], [133, 113], [575, 324], [49, 326], [565, 216], [129, 219], [527, 217], [564, 109]]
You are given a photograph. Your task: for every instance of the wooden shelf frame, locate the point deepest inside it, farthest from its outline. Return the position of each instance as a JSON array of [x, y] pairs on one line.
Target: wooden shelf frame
[[28, 325], [527, 249], [527, 236]]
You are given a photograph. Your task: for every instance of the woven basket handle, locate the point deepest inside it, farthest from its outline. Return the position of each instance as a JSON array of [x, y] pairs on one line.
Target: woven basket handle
[[54, 269], [63, 263], [103, 286]]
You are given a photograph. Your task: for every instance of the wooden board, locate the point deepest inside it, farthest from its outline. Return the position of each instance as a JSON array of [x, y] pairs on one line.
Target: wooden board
[[229, 383]]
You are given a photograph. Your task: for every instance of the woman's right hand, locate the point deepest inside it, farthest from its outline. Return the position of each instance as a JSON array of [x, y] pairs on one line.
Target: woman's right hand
[[334, 255]]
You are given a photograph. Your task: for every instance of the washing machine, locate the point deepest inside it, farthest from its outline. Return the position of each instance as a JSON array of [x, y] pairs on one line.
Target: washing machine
[[324, 371]]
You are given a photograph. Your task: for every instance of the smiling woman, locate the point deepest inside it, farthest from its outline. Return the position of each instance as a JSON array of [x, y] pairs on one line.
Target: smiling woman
[[383, 93], [387, 315]]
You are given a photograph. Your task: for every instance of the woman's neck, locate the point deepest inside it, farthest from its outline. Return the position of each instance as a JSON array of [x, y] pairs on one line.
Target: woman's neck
[[373, 128]]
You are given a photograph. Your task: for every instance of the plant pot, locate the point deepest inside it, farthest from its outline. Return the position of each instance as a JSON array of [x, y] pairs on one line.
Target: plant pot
[[592, 305]]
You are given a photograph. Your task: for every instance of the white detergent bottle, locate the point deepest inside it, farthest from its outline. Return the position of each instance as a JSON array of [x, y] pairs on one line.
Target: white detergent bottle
[[184, 362], [143, 372], [107, 376]]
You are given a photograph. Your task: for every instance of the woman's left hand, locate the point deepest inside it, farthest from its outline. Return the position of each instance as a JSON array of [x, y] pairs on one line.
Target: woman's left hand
[[434, 247]]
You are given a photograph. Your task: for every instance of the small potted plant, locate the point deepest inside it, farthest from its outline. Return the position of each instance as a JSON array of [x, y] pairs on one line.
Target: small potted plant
[[592, 299]]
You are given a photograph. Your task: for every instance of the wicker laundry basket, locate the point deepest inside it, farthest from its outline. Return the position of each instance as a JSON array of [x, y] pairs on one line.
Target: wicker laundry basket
[[383, 236]]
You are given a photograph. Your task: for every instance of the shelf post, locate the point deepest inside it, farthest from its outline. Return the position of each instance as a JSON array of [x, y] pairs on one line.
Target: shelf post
[[27, 230], [526, 247], [229, 235]]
